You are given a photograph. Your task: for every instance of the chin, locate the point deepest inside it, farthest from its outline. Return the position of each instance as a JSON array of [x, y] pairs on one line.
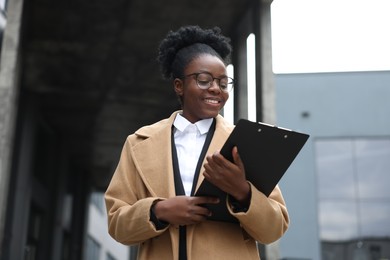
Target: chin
[[211, 115]]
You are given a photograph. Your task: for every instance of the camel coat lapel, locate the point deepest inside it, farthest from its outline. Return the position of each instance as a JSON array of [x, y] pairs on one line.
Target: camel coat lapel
[[155, 153], [153, 159]]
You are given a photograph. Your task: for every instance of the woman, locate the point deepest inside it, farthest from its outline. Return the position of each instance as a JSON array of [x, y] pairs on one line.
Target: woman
[[150, 198]]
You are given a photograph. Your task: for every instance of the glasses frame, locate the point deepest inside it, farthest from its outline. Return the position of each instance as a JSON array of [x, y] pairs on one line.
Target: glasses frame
[[230, 81]]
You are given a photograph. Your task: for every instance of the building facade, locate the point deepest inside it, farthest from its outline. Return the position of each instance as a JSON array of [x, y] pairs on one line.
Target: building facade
[[98, 243], [337, 189]]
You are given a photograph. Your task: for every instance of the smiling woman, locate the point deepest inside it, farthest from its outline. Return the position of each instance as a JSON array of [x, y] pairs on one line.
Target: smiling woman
[[150, 200], [330, 35], [197, 103]]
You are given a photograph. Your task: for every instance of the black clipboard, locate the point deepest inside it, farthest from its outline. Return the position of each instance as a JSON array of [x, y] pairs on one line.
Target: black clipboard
[[267, 152]]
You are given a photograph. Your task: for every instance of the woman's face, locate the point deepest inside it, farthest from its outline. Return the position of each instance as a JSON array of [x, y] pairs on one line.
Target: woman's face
[[200, 103]]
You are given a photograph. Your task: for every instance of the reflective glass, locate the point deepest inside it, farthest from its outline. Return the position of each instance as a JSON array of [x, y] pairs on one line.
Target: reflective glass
[[375, 218], [372, 167], [335, 169], [338, 220], [354, 197]]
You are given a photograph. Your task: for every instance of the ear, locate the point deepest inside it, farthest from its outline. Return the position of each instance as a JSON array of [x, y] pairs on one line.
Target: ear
[[178, 86]]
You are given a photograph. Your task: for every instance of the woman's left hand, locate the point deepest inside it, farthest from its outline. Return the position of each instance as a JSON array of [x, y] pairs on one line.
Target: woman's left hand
[[228, 176]]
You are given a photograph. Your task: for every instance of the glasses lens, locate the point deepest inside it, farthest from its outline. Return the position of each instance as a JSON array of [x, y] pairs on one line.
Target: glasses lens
[[226, 84], [204, 80]]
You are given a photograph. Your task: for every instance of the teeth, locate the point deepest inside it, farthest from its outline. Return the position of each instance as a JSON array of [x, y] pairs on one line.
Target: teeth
[[211, 101]]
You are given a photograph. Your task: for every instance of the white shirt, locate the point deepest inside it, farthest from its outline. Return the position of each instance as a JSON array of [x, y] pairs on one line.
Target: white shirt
[[189, 141]]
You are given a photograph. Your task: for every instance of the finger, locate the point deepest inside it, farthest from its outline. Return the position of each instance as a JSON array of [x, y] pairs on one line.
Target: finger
[[218, 158], [206, 175], [212, 165], [198, 218], [203, 211], [213, 176], [208, 172], [236, 158], [218, 163], [206, 200]]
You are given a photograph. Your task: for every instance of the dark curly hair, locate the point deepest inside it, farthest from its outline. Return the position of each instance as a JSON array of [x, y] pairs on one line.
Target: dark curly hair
[[179, 48]]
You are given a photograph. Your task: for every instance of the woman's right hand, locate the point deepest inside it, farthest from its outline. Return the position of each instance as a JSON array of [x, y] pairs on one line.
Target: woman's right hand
[[184, 210]]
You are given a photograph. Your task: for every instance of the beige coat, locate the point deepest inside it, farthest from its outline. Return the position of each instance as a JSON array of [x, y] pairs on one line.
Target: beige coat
[[145, 173]]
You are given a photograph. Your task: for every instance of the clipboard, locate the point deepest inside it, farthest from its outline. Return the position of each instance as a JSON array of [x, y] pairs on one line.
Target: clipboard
[[267, 151]]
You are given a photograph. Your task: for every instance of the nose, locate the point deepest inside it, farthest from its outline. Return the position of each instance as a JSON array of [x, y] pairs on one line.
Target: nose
[[214, 85]]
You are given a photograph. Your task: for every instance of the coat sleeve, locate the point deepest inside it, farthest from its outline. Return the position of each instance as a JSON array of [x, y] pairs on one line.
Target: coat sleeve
[[128, 203], [266, 219]]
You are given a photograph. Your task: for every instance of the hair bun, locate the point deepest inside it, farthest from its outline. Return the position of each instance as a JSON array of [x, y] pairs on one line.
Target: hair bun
[[186, 36]]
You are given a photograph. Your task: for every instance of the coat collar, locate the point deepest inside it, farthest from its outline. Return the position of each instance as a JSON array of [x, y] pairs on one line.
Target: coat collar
[[153, 156]]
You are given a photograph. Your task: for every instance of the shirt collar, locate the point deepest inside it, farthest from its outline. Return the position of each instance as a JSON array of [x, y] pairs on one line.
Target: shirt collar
[[203, 125]]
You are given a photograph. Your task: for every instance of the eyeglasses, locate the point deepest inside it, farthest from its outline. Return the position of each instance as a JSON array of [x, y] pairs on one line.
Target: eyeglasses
[[205, 80]]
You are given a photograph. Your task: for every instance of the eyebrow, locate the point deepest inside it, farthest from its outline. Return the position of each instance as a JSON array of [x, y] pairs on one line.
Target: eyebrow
[[205, 71]]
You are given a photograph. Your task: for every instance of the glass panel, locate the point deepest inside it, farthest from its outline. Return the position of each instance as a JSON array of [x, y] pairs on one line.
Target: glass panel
[[335, 169], [337, 220], [375, 218], [93, 249], [2, 4], [110, 257], [97, 199], [373, 164], [354, 198]]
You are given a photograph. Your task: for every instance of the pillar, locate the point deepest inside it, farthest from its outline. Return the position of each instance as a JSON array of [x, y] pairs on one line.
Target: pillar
[[9, 77]]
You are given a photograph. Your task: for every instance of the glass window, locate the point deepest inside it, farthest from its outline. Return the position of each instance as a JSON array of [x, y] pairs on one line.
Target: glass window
[[110, 257], [97, 199], [2, 4], [375, 219], [335, 169], [337, 220], [354, 198], [372, 168], [92, 250]]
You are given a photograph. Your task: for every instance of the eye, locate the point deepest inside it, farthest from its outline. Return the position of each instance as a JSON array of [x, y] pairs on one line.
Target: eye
[[204, 79], [223, 86], [223, 83]]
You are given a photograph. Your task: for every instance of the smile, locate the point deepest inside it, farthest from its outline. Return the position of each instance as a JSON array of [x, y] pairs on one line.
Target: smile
[[212, 101]]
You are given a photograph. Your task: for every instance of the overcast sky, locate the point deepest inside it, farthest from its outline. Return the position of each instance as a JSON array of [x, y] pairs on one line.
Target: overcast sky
[[330, 35]]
